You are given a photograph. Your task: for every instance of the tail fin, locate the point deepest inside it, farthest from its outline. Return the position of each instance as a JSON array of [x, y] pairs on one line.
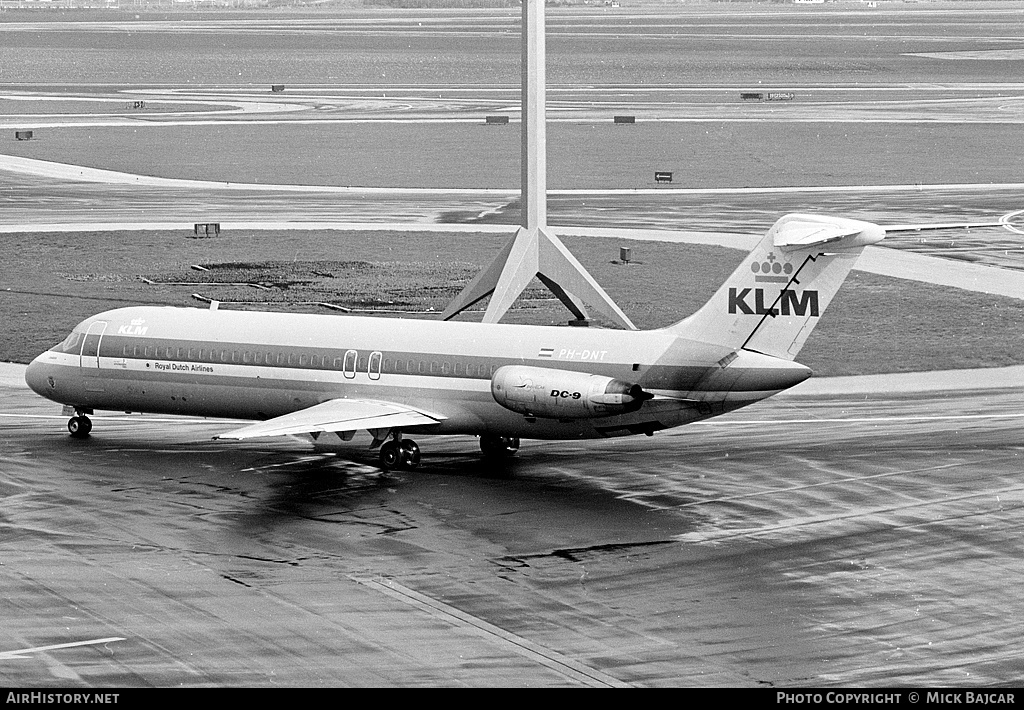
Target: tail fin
[[772, 302]]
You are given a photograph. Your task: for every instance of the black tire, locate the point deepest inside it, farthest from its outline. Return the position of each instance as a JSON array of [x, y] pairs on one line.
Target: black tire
[[410, 453], [390, 455], [79, 426], [499, 446]]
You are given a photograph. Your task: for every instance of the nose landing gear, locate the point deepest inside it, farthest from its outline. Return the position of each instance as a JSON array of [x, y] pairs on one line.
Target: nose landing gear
[[79, 426]]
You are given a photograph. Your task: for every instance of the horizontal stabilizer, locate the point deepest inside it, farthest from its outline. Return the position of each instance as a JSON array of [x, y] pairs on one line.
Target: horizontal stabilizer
[[337, 415], [804, 231], [774, 298]]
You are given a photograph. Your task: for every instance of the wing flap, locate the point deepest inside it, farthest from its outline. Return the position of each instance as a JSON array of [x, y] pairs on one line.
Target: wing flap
[[337, 415]]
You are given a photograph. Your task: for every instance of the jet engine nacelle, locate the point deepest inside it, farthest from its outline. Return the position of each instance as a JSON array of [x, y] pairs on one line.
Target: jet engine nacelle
[[563, 394]]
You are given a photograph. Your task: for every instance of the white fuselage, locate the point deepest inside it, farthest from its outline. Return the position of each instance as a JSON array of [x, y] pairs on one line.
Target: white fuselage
[[259, 365]]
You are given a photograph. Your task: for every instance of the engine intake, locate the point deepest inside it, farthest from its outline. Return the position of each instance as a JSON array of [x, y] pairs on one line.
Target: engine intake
[[563, 394]]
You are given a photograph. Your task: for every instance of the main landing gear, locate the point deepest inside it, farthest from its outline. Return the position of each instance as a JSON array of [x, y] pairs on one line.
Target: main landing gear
[[495, 446], [80, 426], [399, 453], [404, 453]]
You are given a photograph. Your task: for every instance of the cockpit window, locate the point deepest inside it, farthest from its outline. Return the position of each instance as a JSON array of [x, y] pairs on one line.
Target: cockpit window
[[71, 343]]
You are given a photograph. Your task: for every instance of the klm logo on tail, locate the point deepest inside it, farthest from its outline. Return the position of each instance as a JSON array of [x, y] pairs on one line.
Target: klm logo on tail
[[777, 295], [790, 304]]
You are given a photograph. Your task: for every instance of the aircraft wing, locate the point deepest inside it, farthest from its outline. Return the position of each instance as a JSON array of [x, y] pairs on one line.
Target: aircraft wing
[[337, 415]]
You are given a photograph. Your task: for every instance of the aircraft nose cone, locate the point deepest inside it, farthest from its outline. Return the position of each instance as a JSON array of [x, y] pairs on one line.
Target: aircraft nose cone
[[38, 378]]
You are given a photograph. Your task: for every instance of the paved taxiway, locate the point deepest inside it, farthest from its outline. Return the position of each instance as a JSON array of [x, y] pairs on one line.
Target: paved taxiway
[[865, 532], [983, 221], [943, 102]]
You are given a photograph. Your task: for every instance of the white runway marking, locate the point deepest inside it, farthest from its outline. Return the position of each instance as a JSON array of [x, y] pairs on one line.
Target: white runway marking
[[67, 171], [1007, 218], [545, 656], [975, 54], [792, 524], [861, 420], [25, 652]]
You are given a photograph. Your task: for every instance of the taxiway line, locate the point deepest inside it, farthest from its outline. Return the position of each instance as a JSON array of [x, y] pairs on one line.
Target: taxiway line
[[555, 661], [25, 652], [67, 171], [902, 507], [476, 120], [820, 484], [862, 420]]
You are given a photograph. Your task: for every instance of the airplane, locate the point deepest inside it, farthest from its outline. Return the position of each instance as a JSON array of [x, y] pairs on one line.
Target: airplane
[[306, 374]]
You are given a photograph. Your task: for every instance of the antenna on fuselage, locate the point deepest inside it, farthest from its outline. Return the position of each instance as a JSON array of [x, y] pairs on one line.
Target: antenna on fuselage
[[535, 250]]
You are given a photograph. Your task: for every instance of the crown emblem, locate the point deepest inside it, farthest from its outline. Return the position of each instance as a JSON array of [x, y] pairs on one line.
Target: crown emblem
[[773, 269]]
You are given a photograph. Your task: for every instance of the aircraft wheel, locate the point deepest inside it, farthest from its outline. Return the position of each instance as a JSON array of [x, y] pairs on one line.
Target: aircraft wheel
[[390, 455], [410, 453], [499, 446], [80, 426]]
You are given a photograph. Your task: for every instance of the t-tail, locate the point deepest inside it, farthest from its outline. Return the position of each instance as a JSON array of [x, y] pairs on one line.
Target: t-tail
[[772, 302]]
